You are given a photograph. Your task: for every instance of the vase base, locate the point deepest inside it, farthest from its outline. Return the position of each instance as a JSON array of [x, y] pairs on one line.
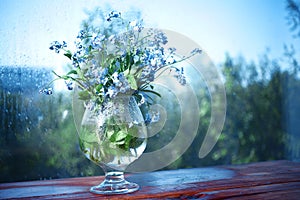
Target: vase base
[[115, 183], [115, 188]]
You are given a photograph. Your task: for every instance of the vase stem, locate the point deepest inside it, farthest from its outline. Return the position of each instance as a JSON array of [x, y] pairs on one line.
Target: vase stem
[[114, 177]]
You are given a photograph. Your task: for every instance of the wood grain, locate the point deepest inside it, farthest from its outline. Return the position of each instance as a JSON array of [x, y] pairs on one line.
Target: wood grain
[[264, 180]]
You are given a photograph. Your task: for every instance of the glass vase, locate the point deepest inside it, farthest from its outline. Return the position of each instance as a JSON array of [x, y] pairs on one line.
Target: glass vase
[[113, 137]]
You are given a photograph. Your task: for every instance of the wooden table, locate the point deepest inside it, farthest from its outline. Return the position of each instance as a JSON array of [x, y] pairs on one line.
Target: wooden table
[[264, 180]]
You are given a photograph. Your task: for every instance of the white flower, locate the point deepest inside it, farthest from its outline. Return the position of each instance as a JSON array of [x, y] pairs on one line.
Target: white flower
[[133, 23]]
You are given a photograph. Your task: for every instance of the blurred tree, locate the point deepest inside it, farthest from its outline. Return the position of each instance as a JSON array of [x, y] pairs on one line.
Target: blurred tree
[[292, 88], [293, 18], [36, 132], [253, 129]]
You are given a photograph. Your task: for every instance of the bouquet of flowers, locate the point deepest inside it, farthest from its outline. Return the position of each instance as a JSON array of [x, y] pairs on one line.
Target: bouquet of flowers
[[125, 62]]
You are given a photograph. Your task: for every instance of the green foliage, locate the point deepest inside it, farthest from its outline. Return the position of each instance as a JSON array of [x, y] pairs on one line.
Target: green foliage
[[262, 114], [44, 142], [255, 128]]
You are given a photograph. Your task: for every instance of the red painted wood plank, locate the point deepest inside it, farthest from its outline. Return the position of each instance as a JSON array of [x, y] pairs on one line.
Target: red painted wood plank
[[265, 180]]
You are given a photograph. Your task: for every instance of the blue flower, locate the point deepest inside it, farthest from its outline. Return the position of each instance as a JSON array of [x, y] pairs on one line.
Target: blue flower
[[180, 76], [47, 91], [57, 46], [111, 92], [148, 74], [160, 38], [69, 84], [97, 41], [170, 60], [171, 50], [152, 117], [196, 50], [155, 117], [147, 119], [102, 74], [82, 34], [136, 26], [77, 59], [113, 14]]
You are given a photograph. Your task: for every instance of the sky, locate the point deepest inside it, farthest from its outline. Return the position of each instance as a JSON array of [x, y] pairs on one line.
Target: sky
[[239, 27]]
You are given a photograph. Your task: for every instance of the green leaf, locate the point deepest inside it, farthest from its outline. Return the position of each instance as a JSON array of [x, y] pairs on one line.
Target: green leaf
[[116, 137], [68, 54], [127, 141], [88, 136], [151, 91], [127, 61], [132, 81], [99, 87], [120, 142], [90, 48], [72, 72], [109, 134], [121, 135], [126, 72], [84, 95]]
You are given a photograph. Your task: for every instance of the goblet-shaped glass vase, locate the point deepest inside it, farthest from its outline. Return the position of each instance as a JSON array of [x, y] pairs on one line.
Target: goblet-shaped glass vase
[[112, 137]]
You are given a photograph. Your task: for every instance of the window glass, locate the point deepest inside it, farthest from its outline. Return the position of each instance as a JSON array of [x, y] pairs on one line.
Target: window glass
[[253, 44]]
